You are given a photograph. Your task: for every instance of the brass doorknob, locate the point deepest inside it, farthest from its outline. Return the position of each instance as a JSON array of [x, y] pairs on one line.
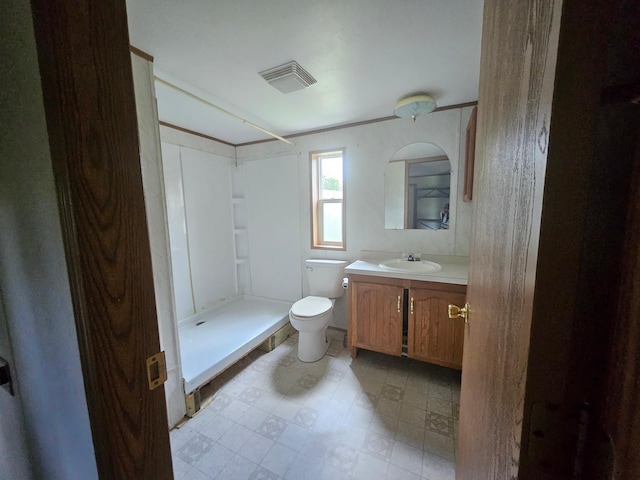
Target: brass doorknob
[[455, 312]]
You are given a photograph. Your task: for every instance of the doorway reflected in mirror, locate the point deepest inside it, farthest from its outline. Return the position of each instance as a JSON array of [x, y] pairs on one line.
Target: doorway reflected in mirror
[[417, 188]]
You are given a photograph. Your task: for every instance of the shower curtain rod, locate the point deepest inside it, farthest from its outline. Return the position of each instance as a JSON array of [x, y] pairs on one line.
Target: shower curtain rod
[[202, 100]]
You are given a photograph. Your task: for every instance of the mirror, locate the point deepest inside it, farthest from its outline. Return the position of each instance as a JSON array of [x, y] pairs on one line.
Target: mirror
[[417, 185]]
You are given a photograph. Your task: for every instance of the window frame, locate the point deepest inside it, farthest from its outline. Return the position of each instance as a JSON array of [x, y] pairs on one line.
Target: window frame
[[317, 203]]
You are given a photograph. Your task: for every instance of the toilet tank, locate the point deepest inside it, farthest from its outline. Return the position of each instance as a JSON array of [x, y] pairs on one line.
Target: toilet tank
[[325, 277]]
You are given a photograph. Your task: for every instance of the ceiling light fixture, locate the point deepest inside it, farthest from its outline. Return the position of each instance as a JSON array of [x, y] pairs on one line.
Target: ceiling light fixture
[[288, 77], [414, 105]]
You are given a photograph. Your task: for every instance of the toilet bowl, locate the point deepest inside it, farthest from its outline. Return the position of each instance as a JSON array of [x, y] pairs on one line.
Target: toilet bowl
[[310, 317]]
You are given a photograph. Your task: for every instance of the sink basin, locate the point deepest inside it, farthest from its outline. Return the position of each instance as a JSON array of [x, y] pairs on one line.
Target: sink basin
[[419, 266]]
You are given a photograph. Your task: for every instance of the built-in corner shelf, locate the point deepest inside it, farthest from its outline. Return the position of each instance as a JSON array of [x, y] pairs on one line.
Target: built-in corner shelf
[[241, 243]]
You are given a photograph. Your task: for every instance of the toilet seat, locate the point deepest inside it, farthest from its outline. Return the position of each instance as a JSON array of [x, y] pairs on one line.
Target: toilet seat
[[311, 306]]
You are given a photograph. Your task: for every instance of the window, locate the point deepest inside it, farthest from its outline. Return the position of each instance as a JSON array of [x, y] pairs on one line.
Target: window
[[327, 202]]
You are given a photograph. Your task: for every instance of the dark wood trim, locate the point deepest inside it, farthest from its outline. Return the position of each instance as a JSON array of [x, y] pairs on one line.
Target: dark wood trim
[[457, 105], [197, 134], [355, 124], [470, 155], [626, 93], [87, 85], [619, 436], [140, 53]]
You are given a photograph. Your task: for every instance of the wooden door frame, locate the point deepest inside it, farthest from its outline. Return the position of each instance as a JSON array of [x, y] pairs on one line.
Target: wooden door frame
[[88, 93], [551, 373]]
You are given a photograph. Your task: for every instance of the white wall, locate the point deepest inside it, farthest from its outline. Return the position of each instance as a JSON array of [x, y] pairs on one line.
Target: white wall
[[368, 150], [198, 186], [177, 228], [51, 437], [270, 187], [207, 195], [272, 178]]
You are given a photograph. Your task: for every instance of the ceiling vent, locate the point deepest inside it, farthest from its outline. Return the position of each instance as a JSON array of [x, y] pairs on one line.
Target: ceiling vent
[[288, 77]]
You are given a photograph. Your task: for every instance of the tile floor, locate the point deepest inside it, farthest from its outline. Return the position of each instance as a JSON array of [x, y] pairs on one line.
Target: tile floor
[[275, 417]]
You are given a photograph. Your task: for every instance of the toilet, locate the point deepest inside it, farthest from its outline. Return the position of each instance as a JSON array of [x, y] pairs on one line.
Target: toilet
[[311, 315]]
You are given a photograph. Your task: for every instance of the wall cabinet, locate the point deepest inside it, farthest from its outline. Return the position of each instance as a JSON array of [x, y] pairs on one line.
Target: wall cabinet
[[406, 317]]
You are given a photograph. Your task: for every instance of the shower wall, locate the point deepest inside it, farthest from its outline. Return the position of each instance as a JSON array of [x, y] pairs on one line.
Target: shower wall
[[199, 214]]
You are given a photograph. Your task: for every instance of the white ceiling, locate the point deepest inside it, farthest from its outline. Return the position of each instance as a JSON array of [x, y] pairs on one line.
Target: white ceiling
[[364, 54]]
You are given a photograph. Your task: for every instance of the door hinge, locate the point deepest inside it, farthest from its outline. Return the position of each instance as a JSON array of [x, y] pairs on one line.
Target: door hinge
[[156, 370]]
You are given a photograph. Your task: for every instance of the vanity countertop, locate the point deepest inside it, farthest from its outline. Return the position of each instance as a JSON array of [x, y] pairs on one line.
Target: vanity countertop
[[455, 269]]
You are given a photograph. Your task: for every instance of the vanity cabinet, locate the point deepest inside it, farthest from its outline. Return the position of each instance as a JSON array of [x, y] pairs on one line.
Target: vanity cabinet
[[406, 317], [432, 336], [378, 324]]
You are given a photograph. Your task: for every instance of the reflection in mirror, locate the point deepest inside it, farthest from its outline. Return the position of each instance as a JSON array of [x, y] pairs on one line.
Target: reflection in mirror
[[416, 186]]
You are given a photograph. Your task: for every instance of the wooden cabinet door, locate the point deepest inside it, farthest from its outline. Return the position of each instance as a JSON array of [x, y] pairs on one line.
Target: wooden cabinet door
[[376, 315], [433, 336]]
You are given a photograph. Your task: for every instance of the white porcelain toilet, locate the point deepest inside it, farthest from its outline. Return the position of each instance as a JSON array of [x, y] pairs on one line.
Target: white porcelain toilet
[[311, 315]]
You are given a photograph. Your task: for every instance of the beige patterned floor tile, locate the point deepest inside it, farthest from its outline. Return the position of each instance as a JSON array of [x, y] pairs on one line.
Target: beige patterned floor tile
[[392, 392], [439, 445], [272, 427], [218, 427], [338, 418], [440, 406], [440, 391], [306, 417], [395, 379], [220, 402], [235, 410], [417, 385], [294, 436], [415, 399], [407, 456], [194, 448], [413, 415], [397, 473], [435, 467], [367, 400], [213, 462], [379, 445], [411, 434], [369, 467], [388, 408], [286, 361], [439, 424], [343, 458], [308, 381], [279, 459], [250, 395], [384, 425]]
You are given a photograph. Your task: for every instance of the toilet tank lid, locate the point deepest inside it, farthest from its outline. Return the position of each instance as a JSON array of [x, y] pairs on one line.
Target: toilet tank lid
[[311, 306]]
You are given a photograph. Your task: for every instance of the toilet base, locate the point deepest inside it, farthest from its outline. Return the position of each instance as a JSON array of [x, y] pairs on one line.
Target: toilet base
[[312, 346]]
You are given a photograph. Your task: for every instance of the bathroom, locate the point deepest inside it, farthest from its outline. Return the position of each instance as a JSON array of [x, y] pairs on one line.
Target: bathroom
[[260, 196], [58, 384], [269, 193]]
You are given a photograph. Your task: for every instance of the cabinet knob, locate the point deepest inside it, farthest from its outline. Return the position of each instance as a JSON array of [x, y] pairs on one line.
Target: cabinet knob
[[455, 312]]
